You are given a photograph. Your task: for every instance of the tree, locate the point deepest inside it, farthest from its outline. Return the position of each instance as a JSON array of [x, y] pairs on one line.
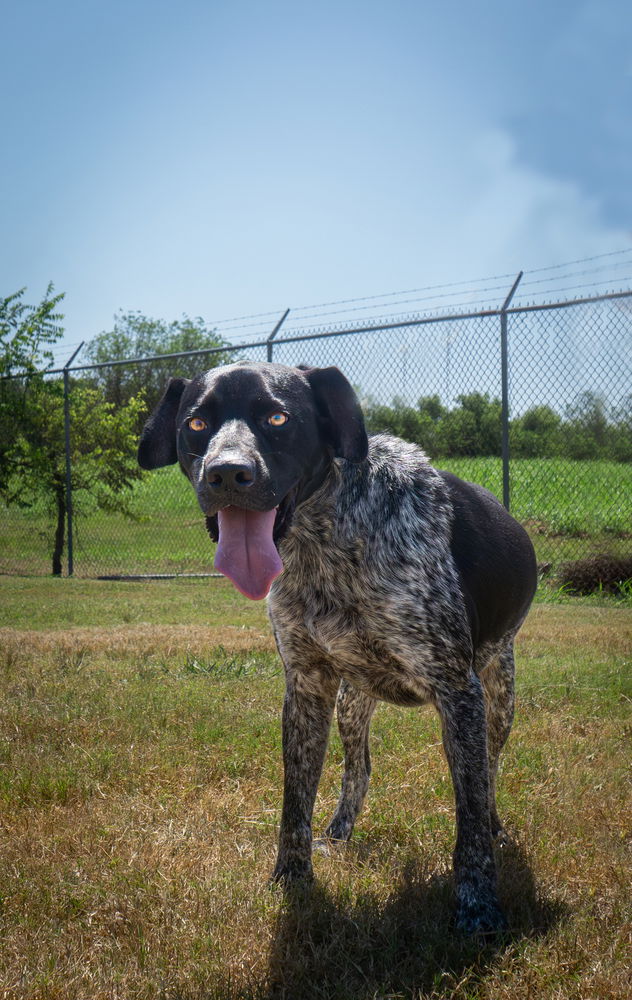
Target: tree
[[431, 407], [421, 425], [474, 427], [622, 431], [536, 434], [432, 413], [32, 445], [103, 455], [138, 336], [28, 332], [380, 418], [586, 428]]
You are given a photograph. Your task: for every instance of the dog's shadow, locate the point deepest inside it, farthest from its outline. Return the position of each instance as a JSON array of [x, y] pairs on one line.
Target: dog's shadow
[[326, 945]]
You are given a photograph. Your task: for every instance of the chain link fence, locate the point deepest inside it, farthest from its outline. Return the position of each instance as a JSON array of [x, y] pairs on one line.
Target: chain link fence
[[533, 402]]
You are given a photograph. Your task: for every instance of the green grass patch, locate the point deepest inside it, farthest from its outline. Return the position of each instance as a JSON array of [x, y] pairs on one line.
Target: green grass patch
[[34, 602], [57, 604], [570, 507]]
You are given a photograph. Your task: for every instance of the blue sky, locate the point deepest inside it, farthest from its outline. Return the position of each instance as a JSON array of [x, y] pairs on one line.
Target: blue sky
[[225, 158]]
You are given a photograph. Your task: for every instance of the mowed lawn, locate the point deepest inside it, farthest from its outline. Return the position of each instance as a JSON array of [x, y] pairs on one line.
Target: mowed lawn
[[140, 794], [571, 509]]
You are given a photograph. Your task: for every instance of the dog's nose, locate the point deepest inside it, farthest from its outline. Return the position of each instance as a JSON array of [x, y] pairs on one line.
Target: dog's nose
[[230, 475]]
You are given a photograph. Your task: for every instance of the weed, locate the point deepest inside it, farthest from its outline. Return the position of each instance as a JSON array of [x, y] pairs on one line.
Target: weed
[[70, 659], [601, 573], [224, 664]]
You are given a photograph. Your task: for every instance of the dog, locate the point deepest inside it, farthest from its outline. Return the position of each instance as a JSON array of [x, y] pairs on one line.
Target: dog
[[387, 581]]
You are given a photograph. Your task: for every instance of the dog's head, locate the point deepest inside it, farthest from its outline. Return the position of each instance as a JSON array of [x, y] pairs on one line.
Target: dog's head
[[255, 439]]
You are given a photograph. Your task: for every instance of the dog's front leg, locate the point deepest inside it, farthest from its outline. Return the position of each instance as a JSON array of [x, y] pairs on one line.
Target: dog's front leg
[[307, 712], [462, 711]]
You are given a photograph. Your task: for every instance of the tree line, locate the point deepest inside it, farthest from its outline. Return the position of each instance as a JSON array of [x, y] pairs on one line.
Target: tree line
[[588, 428]]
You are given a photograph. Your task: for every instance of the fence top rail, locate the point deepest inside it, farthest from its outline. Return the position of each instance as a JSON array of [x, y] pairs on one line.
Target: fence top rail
[[322, 334]]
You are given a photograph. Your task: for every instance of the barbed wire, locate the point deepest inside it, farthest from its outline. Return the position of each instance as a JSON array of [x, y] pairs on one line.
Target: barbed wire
[[434, 288], [64, 350], [593, 284], [451, 311], [473, 292], [610, 268], [470, 295], [580, 260], [455, 305], [423, 288], [401, 302]]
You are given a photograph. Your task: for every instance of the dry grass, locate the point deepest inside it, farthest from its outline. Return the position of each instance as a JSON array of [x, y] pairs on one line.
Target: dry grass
[[140, 790], [148, 641]]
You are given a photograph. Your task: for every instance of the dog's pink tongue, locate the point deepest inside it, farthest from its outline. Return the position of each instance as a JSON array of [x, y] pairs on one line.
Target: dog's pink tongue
[[246, 553]]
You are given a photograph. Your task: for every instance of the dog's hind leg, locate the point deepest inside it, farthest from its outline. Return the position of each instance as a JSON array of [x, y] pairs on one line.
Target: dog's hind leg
[[498, 687], [354, 711], [462, 710]]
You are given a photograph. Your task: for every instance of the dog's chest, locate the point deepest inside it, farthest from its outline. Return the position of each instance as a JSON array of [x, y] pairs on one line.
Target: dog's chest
[[341, 633], [365, 644], [364, 598]]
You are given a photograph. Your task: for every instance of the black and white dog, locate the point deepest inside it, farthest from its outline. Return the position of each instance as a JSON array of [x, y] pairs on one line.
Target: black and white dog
[[387, 580]]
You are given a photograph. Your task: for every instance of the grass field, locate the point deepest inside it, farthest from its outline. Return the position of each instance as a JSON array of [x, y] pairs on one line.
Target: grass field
[[140, 793], [571, 509]]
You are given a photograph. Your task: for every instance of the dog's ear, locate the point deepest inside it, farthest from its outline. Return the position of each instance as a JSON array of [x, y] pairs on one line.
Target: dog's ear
[[340, 413], [157, 445]]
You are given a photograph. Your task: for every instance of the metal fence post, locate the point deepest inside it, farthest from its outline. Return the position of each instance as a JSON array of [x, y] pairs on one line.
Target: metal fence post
[[274, 333], [504, 376], [69, 550]]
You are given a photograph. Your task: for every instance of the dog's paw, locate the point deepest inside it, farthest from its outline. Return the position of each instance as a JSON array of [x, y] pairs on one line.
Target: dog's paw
[[501, 838], [339, 831], [329, 843], [294, 872], [480, 917]]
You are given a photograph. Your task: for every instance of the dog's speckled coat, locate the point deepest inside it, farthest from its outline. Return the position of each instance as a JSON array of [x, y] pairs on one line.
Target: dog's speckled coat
[[400, 584]]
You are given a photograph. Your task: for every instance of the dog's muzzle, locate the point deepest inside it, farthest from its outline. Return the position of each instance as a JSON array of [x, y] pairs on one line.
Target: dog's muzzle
[[234, 477]]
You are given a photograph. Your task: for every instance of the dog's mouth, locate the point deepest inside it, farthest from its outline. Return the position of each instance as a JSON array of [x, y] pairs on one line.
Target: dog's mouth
[[247, 546]]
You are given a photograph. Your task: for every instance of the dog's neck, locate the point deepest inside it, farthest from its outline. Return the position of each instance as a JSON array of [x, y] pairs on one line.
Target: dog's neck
[[315, 479]]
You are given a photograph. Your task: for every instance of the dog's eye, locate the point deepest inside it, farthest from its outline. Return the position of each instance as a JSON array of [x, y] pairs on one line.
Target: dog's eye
[[278, 419], [197, 424]]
